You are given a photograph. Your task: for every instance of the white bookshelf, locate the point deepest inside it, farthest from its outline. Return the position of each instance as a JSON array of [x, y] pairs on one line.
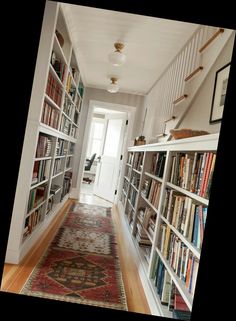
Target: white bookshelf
[[51, 132], [171, 210]]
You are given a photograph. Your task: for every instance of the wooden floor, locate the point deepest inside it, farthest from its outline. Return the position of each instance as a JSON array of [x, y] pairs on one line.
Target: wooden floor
[[14, 276]]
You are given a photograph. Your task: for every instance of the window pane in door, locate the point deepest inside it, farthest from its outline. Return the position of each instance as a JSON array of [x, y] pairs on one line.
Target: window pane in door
[[98, 130], [112, 137], [96, 146]]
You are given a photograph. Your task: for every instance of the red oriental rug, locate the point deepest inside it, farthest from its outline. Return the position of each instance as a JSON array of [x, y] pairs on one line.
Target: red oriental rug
[[81, 264]]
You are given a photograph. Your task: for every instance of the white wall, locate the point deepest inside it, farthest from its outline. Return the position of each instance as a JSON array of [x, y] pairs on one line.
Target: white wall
[[117, 98], [198, 115]]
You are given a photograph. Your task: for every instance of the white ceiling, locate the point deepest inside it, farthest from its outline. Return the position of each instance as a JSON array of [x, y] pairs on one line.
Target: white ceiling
[[150, 46]]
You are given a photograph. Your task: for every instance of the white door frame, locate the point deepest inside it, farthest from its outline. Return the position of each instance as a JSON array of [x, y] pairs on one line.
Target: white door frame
[[131, 110], [108, 163]]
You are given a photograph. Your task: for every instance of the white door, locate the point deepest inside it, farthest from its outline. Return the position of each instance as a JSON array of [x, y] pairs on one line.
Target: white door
[[108, 165]]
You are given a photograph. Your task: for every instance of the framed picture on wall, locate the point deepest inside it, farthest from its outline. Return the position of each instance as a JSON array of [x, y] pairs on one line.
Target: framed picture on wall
[[219, 93]]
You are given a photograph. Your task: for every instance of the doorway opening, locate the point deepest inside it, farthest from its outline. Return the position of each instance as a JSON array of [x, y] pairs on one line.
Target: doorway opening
[[105, 144]]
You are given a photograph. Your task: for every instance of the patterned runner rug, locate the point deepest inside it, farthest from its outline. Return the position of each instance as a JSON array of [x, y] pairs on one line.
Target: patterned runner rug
[[81, 264]]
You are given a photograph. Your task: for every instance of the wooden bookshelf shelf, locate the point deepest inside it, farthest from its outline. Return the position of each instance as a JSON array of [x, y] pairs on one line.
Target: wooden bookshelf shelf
[[38, 184], [35, 208], [51, 102], [190, 194], [134, 187], [154, 177], [194, 250], [149, 203]]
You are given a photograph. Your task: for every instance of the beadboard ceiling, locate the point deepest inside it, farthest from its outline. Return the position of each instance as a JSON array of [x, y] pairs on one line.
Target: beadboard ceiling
[[150, 46]]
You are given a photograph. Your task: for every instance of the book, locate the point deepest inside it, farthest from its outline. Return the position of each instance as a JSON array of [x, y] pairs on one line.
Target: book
[[166, 288], [179, 303], [182, 315]]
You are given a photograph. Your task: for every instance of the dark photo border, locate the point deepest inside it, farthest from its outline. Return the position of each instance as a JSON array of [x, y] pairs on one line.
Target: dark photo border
[[212, 297], [216, 93]]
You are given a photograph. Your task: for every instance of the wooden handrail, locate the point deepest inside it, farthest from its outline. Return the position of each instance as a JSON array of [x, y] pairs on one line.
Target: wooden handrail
[[173, 117], [193, 73], [180, 98], [216, 34]]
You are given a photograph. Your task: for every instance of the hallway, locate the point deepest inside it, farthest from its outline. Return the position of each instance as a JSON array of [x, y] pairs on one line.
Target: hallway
[[15, 276]]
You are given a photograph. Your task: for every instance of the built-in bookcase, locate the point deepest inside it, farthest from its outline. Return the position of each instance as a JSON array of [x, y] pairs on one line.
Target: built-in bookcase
[[46, 169], [164, 200]]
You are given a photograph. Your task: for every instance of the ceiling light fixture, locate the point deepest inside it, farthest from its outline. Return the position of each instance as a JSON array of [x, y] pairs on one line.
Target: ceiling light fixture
[[113, 87], [117, 58]]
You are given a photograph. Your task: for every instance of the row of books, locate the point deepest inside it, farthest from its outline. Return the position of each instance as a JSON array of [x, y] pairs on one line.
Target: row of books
[[70, 88], [132, 196], [59, 68], [179, 256], [54, 90], [138, 161], [65, 125], [68, 106], [78, 103], [32, 221], [158, 164], [73, 131], [186, 216], [128, 172], [68, 82], [168, 292], [41, 171], [144, 214], [135, 180], [58, 166], [44, 146], [151, 226], [81, 88], [142, 236], [130, 158], [147, 219], [193, 171], [36, 196], [151, 190], [50, 115], [61, 147], [66, 184], [125, 186]]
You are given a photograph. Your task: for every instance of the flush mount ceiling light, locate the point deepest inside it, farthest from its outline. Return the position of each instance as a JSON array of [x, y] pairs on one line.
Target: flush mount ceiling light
[[117, 58], [113, 87]]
